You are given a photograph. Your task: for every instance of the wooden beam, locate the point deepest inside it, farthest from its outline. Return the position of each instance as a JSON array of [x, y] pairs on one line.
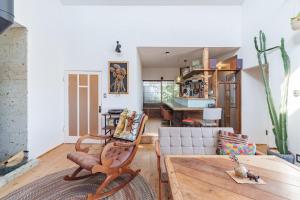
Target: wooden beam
[[205, 62]]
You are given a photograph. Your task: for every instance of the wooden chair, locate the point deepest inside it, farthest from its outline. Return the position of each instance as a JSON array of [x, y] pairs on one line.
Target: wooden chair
[[113, 161], [166, 115]]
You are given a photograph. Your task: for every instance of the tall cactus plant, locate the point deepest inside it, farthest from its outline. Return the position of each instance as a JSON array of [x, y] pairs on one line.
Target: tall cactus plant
[[279, 122]]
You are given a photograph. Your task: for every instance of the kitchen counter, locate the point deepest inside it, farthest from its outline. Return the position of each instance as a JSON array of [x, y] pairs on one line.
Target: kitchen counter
[[191, 102], [178, 107]]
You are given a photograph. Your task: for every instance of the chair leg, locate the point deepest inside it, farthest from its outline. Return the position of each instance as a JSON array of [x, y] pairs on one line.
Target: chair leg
[[131, 172], [74, 175], [159, 189], [100, 194]]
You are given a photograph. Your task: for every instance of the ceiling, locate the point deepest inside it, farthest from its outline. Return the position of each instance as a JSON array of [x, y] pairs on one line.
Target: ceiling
[[156, 57], [152, 2]]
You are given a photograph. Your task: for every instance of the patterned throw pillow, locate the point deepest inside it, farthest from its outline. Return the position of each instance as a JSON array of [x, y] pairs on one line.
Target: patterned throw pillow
[[129, 123], [237, 149], [229, 137]]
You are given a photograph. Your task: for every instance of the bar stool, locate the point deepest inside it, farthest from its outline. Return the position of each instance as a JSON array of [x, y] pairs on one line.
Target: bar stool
[[166, 115]]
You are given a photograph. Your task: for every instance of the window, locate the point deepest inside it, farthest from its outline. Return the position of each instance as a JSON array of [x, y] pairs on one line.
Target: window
[[152, 91], [159, 91]]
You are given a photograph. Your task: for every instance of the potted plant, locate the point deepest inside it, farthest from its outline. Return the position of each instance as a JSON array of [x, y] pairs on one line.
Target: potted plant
[[295, 22], [279, 121]]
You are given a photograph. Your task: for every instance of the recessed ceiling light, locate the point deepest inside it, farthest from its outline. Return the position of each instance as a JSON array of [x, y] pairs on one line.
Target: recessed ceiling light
[[167, 52]]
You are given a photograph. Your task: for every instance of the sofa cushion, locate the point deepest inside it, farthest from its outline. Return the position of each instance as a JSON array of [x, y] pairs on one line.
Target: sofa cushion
[[189, 140], [230, 137], [238, 149]]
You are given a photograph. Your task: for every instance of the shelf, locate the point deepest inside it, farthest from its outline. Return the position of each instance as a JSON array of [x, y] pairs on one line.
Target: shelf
[[228, 70], [194, 72], [198, 71]]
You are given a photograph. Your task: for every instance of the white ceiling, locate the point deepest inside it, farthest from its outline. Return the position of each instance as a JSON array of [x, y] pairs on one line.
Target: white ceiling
[[155, 57], [152, 2]]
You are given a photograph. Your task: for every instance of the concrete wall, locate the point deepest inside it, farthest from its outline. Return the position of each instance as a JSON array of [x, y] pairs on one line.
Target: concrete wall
[[273, 17], [13, 92]]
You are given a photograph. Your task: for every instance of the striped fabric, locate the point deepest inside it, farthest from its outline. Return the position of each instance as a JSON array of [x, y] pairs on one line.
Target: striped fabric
[[237, 149], [228, 137]]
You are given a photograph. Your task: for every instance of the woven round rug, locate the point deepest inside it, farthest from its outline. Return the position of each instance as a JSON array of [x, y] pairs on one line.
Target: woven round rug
[[54, 187]]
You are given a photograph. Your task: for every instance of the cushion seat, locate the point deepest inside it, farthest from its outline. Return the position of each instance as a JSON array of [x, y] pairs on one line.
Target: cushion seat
[[117, 155], [84, 160]]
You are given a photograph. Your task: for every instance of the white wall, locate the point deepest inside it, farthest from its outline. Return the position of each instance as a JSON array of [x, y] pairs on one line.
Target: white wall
[[41, 18], [83, 38], [157, 73], [93, 30], [273, 17]]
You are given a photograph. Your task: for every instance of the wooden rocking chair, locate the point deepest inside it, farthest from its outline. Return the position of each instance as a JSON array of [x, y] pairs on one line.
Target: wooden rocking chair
[[113, 161]]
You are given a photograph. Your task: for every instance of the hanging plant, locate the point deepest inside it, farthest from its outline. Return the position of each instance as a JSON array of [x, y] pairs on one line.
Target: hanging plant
[[295, 22]]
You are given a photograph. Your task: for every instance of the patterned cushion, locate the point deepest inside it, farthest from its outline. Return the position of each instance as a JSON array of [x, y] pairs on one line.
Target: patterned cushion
[[127, 128], [231, 137], [237, 149]]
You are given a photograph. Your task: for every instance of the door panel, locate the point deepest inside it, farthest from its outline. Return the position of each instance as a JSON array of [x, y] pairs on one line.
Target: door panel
[[72, 104], [83, 111], [83, 104], [83, 80], [94, 107]]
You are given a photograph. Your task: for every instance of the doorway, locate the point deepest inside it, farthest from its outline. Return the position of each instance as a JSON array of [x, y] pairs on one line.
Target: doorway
[[83, 104]]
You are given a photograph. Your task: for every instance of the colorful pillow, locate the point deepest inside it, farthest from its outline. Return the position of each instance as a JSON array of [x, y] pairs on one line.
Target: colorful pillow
[[229, 137], [128, 125], [237, 149]]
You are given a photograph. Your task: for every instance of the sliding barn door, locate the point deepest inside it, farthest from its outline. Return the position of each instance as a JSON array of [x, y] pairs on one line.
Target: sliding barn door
[[83, 103]]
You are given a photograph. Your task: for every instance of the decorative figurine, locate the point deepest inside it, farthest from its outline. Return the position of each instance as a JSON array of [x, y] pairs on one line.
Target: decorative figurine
[[252, 176], [241, 171], [118, 47]]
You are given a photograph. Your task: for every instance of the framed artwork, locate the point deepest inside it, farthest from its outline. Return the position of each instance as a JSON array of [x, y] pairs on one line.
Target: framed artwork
[[118, 77]]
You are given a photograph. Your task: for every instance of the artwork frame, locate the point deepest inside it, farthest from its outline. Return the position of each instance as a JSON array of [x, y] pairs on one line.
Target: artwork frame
[[118, 85]]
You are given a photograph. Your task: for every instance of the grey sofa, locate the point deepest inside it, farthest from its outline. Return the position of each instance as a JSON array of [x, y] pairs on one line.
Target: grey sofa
[[184, 141]]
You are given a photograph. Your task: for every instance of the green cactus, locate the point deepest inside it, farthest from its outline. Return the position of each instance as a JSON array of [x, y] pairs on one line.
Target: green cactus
[[279, 122]]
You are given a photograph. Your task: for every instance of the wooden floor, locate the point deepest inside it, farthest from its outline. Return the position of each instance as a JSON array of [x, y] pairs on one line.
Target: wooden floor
[[152, 126], [55, 160]]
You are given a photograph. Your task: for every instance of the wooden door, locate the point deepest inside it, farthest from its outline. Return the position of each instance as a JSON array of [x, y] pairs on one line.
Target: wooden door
[[83, 104]]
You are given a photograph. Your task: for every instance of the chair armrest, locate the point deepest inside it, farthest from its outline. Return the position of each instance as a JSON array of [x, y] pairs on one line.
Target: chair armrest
[[158, 155], [157, 148], [81, 139], [124, 144]]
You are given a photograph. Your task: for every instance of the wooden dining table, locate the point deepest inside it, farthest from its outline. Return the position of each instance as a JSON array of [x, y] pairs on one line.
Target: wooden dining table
[[205, 178]]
